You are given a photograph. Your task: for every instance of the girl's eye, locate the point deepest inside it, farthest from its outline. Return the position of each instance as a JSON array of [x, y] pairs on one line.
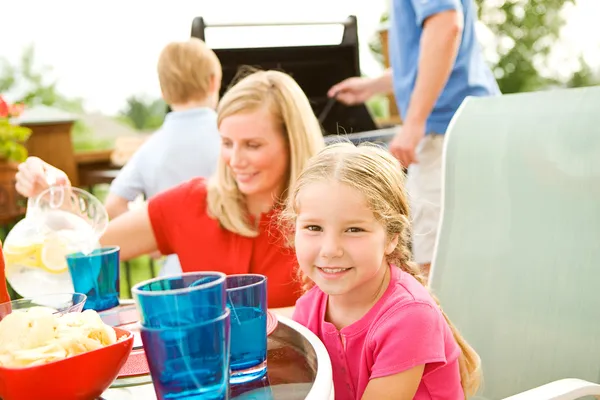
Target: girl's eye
[[355, 230], [253, 145], [226, 144], [313, 228]]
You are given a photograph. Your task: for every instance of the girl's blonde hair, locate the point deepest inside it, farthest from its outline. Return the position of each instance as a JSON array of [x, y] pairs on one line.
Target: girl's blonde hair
[[378, 176], [291, 110]]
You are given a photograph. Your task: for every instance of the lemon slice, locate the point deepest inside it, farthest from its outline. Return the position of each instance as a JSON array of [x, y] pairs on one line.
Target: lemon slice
[[26, 255], [54, 251], [22, 249]]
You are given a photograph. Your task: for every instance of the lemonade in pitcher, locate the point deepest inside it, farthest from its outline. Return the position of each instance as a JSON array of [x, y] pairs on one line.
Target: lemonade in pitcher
[[59, 221]]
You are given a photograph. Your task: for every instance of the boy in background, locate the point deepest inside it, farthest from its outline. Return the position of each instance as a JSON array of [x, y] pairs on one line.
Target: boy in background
[[187, 144]]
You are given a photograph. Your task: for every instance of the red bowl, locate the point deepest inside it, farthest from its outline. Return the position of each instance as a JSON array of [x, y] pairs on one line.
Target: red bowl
[[82, 377]]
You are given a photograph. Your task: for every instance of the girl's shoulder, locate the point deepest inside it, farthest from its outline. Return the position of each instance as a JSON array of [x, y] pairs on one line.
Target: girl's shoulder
[[308, 306], [408, 290], [407, 300], [310, 297]]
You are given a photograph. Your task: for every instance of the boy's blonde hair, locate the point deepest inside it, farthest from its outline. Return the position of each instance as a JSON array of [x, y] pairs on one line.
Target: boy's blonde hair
[[278, 93], [185, 71], [374, 172]]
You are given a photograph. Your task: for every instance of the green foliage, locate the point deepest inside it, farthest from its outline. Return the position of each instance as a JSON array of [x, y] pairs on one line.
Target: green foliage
[[143, 114], [34, 84], [586, 76], [378, 107], [88, 143], [12, 138], [525, 32], [35, 87], [375, 44]]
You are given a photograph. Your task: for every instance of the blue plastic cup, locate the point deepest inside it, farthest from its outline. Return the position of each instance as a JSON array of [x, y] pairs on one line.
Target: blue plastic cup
[[247, 300], [97, 276], [190, 361], [178, 300]]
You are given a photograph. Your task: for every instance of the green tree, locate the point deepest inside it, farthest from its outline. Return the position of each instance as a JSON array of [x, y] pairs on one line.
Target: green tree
[[143, 114], [34, 85], [375, 44], [585, 76], [525, 31]]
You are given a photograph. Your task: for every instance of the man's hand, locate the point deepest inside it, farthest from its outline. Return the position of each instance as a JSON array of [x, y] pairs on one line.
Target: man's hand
[[352, 91], [357, 90], [404, 144]]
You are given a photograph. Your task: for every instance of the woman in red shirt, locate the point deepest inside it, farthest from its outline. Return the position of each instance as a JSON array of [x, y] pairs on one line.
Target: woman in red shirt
[[3, 290], [269, 131]]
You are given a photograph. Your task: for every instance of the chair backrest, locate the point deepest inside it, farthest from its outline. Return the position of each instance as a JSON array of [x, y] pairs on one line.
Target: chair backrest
[[517, 262]]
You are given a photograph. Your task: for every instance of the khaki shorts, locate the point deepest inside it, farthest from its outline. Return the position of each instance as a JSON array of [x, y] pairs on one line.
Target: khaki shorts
[[424, 187]]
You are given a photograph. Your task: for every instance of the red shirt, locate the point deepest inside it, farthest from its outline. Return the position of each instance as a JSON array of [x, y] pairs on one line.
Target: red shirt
[[182, 226], [3, 291]]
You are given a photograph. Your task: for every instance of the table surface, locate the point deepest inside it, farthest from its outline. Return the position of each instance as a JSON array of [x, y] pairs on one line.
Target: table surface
[[291, 367]]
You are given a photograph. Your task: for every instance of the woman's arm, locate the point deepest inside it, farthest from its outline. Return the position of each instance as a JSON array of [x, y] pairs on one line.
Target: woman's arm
[[401, 386], [132, 232]]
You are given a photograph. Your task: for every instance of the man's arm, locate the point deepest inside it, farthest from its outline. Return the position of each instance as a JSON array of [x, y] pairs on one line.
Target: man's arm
[[128, 184], [357, 90], [116, 205], [383, 84], [439, 46]]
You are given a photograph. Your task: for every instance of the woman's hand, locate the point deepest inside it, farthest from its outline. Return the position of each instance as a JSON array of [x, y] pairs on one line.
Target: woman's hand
[[36, 175]]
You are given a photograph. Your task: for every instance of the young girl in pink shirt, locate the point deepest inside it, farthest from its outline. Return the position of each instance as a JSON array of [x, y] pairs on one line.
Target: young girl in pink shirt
[[385, 333]]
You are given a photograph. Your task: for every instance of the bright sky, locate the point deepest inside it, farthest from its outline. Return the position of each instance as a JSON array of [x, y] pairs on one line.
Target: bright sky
[[106, 51]]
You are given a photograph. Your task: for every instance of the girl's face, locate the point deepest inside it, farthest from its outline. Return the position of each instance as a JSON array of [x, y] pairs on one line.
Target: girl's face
[[339, 243], [257, 152]]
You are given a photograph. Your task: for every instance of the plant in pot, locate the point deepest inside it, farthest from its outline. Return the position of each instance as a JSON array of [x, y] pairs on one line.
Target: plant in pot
[[12, 137], [379, 48], [12, 152]]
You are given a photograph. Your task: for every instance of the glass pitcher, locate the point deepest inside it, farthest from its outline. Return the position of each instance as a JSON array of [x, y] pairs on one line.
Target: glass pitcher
[[59, 221]]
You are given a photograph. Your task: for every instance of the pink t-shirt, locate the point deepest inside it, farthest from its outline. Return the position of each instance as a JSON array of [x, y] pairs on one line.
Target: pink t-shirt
[[404, 329]]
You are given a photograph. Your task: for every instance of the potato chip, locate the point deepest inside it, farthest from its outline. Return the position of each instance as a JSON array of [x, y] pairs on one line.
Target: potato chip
[[37, 336]]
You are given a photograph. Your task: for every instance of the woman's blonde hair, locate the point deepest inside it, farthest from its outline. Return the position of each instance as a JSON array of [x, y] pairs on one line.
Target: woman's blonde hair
[[378, 176], [286, 102]]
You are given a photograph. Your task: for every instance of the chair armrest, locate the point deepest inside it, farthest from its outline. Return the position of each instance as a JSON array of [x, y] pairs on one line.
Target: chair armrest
[[564, 389]]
